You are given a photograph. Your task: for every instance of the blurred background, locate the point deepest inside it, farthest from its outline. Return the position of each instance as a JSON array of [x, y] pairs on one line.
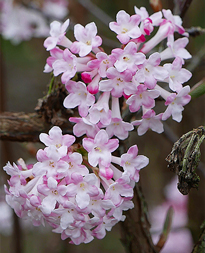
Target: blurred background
[[23, 82]]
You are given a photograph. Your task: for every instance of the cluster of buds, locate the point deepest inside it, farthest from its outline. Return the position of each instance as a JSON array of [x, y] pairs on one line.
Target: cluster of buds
[[82, 192]]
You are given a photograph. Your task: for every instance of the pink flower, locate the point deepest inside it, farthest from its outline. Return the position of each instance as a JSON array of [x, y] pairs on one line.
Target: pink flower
[[98, 206], [117, 126], [57, 33], [149, 120], [55, 137], [100, 148], [50, 166], [142, 96], [142, 12], [53, 192], [117, 190], [100, 111], [177, 74], [128, 58], [74, 161], [102, 63], [132, 162], [84, 126], [148, 22], [79, 96], [117, 83], [175, 104], [93, 86], [66, 65], [56, 54], [83, 188], [126, 27], [86, 39], [176, 49], [150, 71], [175, 20]]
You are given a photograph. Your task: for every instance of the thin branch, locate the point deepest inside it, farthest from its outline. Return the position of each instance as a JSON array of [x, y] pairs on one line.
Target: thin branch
[[195, 31], [200, 245], [96, 11], [135, 229], [181, 7], [196, 59], [185, 7]]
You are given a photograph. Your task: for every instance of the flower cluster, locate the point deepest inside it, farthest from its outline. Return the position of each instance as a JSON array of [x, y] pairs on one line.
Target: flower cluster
[[82, 192], [77, 201], [127, 72]]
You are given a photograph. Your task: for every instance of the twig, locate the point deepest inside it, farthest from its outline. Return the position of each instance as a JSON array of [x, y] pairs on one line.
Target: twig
[[181, 7], [196, 60], [200, 245], [166, 229], [135, 229], [195, 31], [96, 11], [185, 7]]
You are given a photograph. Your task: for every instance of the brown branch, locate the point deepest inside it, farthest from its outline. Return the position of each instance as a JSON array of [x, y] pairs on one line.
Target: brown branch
[[200, 245], [185, 7], [20, 126], [135, 229], [181, 7]]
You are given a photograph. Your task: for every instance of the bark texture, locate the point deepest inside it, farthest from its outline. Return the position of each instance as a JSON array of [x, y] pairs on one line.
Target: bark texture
[[135, 229]]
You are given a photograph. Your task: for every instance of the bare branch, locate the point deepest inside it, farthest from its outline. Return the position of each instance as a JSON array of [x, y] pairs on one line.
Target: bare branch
[[181, 7], [135, 229]]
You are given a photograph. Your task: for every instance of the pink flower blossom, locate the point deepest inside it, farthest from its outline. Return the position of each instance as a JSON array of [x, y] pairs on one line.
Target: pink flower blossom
[[128, 58], [84, 126], [66, 65], [100, 148], [49, 166], [149, 120], [165, 30], [79, 96], [100, 111], [148, 22], [142, 96], [176, 49], [126, 27], [102, 63], [132, 162], [117, 82], [117, 126], [175, 104], [53, 192], [83, 188], [117, 190], [177, 74], [150, 71], [175, 20], [56, 138], [57, 32], [86, 39], [56, 54]]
